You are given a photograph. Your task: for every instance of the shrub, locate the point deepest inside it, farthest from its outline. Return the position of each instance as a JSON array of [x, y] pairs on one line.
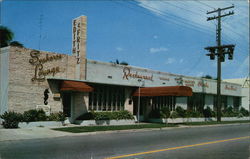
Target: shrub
[[173, 115], [214, 114], [57, 116], [164, 112], [155, 114], [11, 119], [208, 113], [117, 115], [244, 112], [193, 114], [124, 114], [102, 115], [229, 112], [240, 115], [180, 111], [86, 116], [34, 115]]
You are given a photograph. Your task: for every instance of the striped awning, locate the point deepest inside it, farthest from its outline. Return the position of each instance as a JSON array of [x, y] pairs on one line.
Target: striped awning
[[75, 86], [164, 91]]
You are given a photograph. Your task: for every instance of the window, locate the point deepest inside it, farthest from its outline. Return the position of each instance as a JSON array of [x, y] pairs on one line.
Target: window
[[236, 102], [107, 98], [196, 102], [163, 101]]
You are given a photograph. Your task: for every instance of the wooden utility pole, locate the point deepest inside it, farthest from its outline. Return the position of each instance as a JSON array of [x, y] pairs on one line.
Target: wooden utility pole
[[220, 51]]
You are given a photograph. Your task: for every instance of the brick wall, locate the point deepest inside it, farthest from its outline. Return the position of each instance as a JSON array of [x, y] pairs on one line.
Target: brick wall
[[25, 94]]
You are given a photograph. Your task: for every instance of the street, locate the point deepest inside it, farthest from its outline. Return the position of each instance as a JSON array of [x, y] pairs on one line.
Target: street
[[215, 142]]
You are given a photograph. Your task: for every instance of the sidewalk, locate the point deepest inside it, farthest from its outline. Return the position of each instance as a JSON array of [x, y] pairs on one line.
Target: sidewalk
[[29, 133]]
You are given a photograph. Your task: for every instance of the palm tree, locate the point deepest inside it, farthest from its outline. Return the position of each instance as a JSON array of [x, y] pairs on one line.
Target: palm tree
[[6, 35], [16, 43]]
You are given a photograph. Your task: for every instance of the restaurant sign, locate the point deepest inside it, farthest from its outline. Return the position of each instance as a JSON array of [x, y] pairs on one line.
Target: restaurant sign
[[128, 74], [40, 73], [231, 88]]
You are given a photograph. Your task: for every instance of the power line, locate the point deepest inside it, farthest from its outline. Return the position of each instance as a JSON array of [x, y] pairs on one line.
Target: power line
[[164, 19], [204, 4], [196, 13], [182, 22]]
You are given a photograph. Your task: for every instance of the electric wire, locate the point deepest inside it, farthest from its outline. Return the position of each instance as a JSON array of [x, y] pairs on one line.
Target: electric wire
[[181, 21], [164, 20], [195, 13], [204, 4]]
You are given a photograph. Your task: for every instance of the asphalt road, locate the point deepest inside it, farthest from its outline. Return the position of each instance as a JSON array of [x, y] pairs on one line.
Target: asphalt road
[[217, 142]]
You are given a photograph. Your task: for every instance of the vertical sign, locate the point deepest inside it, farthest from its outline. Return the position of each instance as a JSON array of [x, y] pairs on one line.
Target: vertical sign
[[79, 38]]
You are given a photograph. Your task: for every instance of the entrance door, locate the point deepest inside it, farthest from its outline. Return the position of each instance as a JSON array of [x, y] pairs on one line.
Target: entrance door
[[143, 107], [67, 104]]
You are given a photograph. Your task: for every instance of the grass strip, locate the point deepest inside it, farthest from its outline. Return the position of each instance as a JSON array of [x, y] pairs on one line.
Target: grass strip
[[80, 129], [215, 122]]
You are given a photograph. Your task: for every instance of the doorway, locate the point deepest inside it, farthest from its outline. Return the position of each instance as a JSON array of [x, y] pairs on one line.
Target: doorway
[[67, 104], [144, 104]]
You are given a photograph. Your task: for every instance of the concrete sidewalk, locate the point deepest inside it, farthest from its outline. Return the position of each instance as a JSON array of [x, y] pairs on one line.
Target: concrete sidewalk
[[29, 133]]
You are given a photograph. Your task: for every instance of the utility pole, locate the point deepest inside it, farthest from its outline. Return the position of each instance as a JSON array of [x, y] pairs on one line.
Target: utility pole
[[220, 51]]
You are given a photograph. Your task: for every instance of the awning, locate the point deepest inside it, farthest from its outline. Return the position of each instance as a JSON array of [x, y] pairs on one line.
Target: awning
[[164, 91], [75, 86]]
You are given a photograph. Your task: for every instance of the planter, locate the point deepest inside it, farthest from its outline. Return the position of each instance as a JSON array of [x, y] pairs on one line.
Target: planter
[[234, 118], [157, 120], [40, 124], [184, 120], [104, 122]]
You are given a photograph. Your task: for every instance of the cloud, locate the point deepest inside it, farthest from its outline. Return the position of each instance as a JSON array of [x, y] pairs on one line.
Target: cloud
[[155, 37], [119, 49], [181, 60], [156, 50], [170, 61]]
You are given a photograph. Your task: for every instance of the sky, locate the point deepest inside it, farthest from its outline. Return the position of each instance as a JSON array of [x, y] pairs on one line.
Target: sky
[[164, 35]]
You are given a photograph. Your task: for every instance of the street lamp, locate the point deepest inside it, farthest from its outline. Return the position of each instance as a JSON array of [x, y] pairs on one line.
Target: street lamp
[[139, 97]]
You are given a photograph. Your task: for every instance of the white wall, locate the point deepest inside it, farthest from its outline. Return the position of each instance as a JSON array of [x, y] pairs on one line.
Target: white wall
[[108, 73], [79, 104], [245, 91], [245, 98]]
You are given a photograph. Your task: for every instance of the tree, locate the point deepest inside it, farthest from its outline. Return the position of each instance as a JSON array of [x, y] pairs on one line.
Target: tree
[[123, 63], [119, 63], [16, 43], [6, 35], [207, 77]]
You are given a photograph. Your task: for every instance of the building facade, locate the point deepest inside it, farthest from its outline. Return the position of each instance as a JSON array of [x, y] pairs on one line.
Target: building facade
[[245, 90], [34, 79]]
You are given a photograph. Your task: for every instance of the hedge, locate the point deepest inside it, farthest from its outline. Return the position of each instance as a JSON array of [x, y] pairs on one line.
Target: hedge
[[12, 119], [116, 115]]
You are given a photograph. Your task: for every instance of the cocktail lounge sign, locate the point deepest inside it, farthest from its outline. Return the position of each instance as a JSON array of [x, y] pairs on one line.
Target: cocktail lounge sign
[[40, 73]]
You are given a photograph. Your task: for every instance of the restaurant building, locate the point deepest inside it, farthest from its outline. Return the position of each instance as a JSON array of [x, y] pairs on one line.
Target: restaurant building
[[245, 90], [34, 79]]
